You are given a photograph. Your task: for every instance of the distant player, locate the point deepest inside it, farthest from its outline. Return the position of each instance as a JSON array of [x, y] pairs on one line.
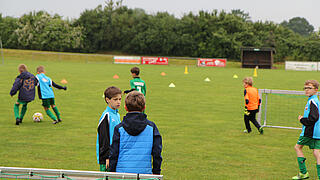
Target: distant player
[[137, 143], [25, 84], [45, 93], [252, 105], [136, 83], [310, 135], [108, 120]]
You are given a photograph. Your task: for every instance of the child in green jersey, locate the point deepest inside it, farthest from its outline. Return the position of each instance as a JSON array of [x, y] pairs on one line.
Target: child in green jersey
[[136, 83]]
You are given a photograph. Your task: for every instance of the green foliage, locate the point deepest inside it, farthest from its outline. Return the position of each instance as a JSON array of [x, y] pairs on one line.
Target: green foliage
[[45, 32], [113, 27], [7, 27], [299, 25]]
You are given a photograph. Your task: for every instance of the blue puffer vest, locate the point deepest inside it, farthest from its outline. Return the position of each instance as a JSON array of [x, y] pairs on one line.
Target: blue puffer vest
[[135, 151]]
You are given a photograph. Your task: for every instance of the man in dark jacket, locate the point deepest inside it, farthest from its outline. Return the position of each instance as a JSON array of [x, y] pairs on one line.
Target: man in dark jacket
[[136, 140], [25, 84]]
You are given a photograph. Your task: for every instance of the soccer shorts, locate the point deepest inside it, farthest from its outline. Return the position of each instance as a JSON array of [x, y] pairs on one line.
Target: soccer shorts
[[306, 141], [22, 102], [47, 102]]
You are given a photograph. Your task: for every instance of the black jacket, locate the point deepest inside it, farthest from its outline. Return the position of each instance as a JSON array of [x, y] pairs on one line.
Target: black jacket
[[24, 83]]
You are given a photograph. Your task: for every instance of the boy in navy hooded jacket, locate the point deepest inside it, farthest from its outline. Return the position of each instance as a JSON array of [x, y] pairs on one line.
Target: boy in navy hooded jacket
[[136, 140], [24, 83]]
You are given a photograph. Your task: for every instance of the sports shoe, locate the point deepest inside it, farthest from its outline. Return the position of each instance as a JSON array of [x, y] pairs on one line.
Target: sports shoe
[[20, 121], [261, 130], [59, 120], [246, 131], [55, 122], [17, 121], [301, 176]]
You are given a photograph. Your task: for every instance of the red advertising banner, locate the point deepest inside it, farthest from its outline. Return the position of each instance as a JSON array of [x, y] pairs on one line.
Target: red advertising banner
[[212, 62], [155, 60]]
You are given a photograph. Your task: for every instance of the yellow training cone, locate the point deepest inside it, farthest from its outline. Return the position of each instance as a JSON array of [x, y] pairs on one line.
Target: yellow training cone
[[255, 74], [186, 70], [235, 76]]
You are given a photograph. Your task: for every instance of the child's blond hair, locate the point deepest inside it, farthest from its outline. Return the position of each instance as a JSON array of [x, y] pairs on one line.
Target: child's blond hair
[[314, 83], [248, 80], [40, 69], [22, 68]]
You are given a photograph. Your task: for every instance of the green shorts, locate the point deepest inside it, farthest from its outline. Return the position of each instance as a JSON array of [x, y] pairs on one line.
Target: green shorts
[[48, 102], [312, 143], [22, 102]]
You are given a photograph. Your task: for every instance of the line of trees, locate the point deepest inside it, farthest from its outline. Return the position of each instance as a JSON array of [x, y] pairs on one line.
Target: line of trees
[[115, 27]]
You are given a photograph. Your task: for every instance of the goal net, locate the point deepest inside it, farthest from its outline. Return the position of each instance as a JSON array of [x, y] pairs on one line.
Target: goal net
[[36, 173], [281, 108]]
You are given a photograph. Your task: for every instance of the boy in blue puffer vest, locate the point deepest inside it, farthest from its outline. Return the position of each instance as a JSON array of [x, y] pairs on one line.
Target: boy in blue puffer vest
[[107, 122], [136, 140], [310, 135]]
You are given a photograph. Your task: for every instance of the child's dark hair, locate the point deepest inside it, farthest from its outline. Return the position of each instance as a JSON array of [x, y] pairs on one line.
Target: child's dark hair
[[135, 101], [111, 92], [135, 70]]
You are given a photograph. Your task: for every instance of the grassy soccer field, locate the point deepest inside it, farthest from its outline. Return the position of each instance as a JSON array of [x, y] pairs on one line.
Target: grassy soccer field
[[201, 122]]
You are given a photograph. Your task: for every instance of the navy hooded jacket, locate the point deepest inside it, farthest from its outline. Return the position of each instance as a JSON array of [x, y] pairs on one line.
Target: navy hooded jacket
[[24, 83], [135, 141]]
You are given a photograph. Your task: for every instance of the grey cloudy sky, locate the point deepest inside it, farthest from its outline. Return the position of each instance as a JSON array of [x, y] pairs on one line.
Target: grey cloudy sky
[[271, 10]]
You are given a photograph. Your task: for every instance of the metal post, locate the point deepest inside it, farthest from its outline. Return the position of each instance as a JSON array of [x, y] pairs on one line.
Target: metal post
[[265, 111], [259, 114], [1, 50]]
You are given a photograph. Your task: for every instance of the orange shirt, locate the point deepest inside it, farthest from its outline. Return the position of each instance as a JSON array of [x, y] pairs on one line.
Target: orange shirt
[[252, 98]]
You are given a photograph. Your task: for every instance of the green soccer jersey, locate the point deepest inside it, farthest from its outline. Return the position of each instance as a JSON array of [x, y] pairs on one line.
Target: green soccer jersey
[[139, 85]]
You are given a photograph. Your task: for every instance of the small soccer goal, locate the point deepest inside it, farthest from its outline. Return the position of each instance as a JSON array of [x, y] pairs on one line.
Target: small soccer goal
[[52, 174], [281, 108]]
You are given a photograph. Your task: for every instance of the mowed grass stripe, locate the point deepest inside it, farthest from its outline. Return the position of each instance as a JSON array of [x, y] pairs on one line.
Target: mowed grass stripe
[[201, 122]]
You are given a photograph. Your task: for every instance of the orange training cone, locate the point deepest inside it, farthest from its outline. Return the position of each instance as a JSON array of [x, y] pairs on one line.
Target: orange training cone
[[115, 77], [64, 81]]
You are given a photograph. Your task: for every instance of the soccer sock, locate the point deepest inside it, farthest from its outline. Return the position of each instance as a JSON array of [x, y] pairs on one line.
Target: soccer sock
[[55, 109], [103, 168], [51, 115], [318, 170], [16, 110], [302, 165], [23, 111]]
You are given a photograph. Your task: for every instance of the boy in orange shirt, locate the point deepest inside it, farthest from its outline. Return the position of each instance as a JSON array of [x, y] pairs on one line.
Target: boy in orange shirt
[[252, 105]]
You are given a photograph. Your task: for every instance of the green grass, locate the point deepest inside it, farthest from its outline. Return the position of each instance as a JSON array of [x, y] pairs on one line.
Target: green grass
[[201, 122]]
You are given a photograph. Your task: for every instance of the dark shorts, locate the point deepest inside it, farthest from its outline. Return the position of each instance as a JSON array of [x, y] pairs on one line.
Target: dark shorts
[[306, 141], [48, 102]]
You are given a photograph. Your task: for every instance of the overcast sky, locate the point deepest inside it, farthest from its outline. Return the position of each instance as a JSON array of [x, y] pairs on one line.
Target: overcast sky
[[271, 10]]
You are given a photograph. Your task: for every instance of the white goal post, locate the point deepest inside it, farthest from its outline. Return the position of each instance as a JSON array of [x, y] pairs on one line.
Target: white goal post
[[37, 173], [280, 108]]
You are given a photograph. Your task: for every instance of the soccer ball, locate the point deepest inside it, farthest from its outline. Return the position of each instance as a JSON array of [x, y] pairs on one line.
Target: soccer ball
[[37, 117]]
